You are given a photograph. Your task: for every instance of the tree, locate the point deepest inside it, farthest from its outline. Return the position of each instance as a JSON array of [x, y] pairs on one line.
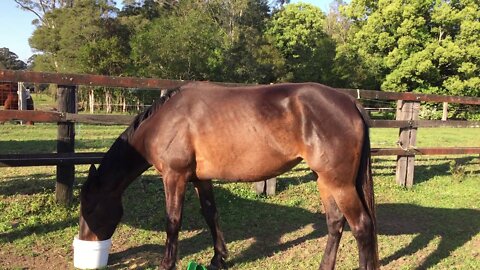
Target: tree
[[85, 28], [9, 60], [174, 46], [250, 59], [41, 7], [422, 46], [278, 4], [297, 31], [147, 9], [246, 55], [81, 36], [208, 40], [337, 25]]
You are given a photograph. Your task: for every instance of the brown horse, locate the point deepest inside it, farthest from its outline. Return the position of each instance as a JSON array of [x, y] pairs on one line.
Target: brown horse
[[202, 131], [11, 102]]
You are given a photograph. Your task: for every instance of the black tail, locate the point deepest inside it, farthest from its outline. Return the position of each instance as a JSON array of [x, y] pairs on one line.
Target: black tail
[[364, 181]]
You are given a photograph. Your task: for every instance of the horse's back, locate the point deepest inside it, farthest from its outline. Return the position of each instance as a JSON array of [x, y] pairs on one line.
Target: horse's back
[[248, 133]]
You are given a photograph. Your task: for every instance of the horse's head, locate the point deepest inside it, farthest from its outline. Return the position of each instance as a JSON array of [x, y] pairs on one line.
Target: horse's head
[[100, 209]]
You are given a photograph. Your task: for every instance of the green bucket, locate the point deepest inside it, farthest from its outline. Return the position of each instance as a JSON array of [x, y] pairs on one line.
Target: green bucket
[[194, 266]]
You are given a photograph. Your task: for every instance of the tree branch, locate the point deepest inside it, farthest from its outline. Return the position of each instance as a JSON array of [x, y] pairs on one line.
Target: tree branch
[[27, 8]]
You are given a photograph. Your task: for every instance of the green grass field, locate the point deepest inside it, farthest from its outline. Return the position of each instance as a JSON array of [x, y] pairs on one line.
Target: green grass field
[[434, 225]]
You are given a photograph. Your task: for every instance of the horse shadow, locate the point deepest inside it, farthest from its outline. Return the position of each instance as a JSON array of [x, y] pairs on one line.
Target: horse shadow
[[260, 223], [27, 185], [264, 226], [454, 227]]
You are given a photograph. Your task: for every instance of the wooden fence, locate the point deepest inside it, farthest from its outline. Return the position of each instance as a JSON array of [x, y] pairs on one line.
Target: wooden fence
[[65, 159]]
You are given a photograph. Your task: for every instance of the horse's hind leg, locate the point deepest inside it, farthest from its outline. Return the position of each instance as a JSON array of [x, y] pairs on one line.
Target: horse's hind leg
[[209, 210], [175, 185], [349, 203], [335, 224]]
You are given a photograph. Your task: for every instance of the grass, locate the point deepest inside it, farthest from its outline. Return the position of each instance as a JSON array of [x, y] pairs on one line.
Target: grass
[[43, 101], [434, 225]]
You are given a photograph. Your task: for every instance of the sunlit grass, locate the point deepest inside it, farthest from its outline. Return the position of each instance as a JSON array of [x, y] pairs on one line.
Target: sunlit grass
[[435, 225]]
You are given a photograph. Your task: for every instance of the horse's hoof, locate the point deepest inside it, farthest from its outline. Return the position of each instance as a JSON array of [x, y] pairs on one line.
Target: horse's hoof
[[167, 266], [217, 264]]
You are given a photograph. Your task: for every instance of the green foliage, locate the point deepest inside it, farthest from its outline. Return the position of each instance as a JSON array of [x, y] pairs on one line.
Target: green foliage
[[422, 46], [173, 46], [247, 55], [250, 59], [108, 55], [298, 32], [72, 32], [229, 45], [9, 60], [457, 170]]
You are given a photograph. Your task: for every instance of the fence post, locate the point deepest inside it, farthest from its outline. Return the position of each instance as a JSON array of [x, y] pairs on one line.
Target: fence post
[[22, 98], [66, 102], [267, 187], [406, 110], [445, 111]]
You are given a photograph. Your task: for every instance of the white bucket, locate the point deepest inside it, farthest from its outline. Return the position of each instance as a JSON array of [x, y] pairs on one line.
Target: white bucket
[[90, 254]]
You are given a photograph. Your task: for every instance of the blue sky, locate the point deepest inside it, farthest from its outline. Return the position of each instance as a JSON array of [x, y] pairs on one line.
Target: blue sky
[[16, 26]]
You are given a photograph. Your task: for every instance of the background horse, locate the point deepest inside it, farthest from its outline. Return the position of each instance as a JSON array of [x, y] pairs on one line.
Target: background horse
[[202, 131]]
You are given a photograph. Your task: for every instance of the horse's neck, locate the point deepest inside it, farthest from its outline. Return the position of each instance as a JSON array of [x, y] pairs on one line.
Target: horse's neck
[[121, 165]]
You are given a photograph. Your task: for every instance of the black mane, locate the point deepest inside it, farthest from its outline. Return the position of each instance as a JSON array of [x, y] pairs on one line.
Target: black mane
[[121, 156], [128, 133]]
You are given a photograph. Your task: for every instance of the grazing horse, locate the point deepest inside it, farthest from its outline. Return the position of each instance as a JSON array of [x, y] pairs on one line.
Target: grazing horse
[[202, 131]]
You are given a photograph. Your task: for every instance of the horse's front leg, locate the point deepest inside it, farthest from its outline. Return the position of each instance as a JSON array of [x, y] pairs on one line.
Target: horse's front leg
[[175, 183], [209, 211]]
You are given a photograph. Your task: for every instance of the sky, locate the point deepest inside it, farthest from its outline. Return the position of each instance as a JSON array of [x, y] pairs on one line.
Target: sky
[[16, 26]]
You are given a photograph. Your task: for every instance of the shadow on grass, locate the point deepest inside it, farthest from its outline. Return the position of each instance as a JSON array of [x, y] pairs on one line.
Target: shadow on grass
[[50, 146], [455, 227], [259, 223], [38, 229], [35, 183], [263, 225], [26, 146], [285, 182], [144, 256], [442, 167], [426, 169]]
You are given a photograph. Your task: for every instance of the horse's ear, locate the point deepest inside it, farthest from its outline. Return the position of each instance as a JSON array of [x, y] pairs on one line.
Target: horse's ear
[[92, 171]]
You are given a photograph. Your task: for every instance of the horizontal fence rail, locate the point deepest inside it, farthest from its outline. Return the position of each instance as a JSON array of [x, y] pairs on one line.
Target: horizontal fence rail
[[52, 159], [409, 96], [151, 83], [423, 123], [49, 159], [88, 80], [94, 80], [425, 151], [57, 117]]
